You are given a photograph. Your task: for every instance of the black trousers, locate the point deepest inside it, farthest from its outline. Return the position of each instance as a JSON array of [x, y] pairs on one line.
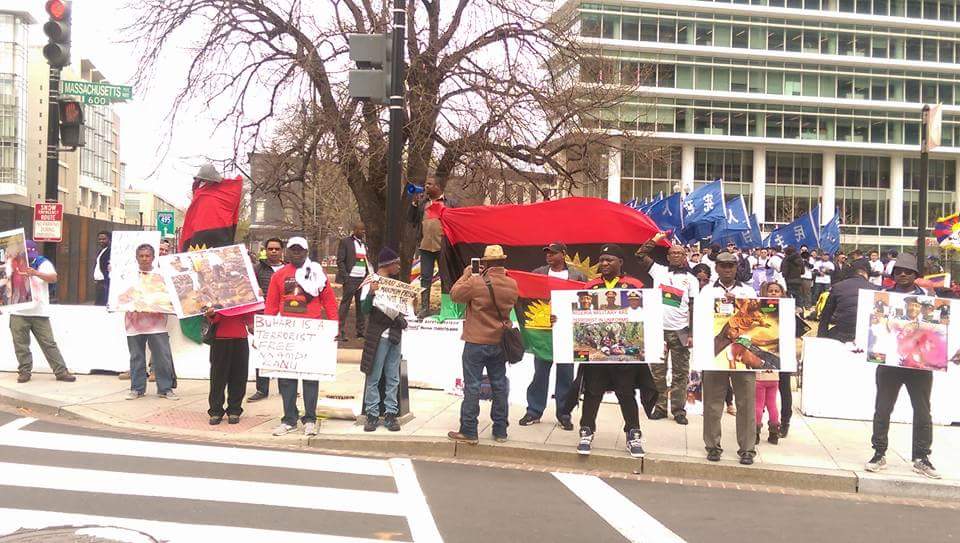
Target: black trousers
[[102, 290], [229, 362], [351, 291], [919, 384], [622, 379], [263, 383], [786, 397]]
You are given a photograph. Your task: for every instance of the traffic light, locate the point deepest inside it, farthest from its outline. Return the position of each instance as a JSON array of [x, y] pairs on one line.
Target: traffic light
[[57, 51], [71, 124], [374, 57]]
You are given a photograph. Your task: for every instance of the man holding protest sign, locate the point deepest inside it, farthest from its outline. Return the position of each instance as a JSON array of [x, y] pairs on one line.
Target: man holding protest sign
[[300, 290], [381, 350], [149, 328]]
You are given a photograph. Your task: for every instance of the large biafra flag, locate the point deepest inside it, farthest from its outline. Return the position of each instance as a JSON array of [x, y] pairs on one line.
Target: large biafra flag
[[583, 224]]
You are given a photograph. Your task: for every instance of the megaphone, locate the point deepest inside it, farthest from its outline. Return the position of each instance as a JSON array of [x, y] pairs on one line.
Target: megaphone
[[413, 189]]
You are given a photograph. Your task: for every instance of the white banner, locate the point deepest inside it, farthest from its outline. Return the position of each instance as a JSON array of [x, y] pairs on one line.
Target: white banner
[[295, 348], [745, 334], [603, 326], [125, 277]]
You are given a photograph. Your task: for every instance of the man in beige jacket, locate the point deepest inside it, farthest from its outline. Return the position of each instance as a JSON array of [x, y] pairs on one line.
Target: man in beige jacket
[[489, 297]]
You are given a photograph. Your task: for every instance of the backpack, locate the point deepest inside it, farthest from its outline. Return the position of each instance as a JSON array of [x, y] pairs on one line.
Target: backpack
[[744, 273]]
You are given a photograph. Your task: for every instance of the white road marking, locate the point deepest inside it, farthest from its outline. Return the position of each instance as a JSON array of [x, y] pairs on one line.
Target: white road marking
[[12, 520], [422, 526], [17, 424], [624, 516], [191, 452], [193, 488]]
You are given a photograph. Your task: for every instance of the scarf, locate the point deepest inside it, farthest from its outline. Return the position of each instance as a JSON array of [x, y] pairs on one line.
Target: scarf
[[310, 277]]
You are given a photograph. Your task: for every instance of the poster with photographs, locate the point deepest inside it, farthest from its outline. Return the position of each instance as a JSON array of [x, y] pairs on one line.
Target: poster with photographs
[[221, 277], [907, 330], [125, 276], [14, 284], [749, 334], [608, 326]]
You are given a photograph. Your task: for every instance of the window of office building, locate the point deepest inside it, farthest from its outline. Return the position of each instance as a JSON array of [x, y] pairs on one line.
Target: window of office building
[[863, 184], [647, 173], [941, 176], [734, 166], [792, 184]]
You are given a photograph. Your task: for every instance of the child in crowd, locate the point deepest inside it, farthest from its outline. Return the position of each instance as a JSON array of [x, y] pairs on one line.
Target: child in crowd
[[768, 382]]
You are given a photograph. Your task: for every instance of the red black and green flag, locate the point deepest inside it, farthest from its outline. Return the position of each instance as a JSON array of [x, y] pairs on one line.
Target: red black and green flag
[[672, 296], [769, 305], [583, 224], [533, 309]]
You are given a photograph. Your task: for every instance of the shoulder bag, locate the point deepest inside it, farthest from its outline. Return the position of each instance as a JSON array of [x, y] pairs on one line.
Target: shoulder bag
[[510, 342]]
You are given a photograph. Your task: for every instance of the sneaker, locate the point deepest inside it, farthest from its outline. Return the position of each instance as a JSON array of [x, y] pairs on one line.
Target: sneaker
[[565, 422], [233, 419], [461, 438], [371, 424], [877, 463], [529, 419], [66, 377], [284, 429], [681, 419], [634, 447], [658, 414], [310, 428], [257, 396], [923, 466], [713, 455], [134, 395], [216, 420], [124, 376], [746, 459], [500, 439], [169, 395], [391, 423], [23, 377], [586, 439]]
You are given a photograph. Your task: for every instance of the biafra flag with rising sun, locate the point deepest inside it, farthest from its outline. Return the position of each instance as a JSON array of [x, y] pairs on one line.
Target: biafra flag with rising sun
[[583, 224], [533, 309]]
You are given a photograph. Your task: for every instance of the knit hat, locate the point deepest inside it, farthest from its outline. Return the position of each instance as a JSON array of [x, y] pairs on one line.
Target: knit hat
[[387, 257]]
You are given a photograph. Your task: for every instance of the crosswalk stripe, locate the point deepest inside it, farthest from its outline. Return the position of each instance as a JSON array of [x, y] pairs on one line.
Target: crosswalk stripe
[[12, 520], [191, 488], [422, 526], [632, 522], [10, 436], [17, 424]]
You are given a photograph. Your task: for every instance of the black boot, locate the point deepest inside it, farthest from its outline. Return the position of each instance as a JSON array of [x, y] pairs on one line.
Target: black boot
[[759, 427], [774, 430], [784, 428]]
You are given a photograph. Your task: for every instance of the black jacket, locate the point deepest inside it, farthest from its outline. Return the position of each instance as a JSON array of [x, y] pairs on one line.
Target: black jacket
[[346, 258], [377, 322], [841, 306], [264, 273], [792, 268], [105, 263]]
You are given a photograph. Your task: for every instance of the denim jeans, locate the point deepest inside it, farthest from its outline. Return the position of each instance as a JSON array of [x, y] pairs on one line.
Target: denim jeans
[[386, 363], [537, 391], [159, 355], [476, 357], [288, 391]]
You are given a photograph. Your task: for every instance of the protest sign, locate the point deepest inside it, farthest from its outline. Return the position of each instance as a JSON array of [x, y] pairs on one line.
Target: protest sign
[[395, 295], [144, 292], [748, 334], [14, 284], [221, 277], [125, 277], [907, 330], [608, 326], [295, 348]]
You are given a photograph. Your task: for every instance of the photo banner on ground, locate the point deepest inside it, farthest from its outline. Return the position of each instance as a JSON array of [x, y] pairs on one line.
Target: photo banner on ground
[[14, 283], [125, 280], [604, 326], [221, 277], [294, 348], [907, 330], [748, 334]]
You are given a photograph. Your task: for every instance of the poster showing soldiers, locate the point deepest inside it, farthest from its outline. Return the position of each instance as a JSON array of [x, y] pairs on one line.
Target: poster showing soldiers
[[907, 330], [749, 334], [14, 283], [608, 326], [125, 279], [221, 277]]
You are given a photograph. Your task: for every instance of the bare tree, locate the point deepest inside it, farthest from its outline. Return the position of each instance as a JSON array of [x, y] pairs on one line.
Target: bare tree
[[492, 86]]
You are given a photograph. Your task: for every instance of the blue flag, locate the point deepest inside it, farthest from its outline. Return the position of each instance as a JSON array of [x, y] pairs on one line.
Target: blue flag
[[751, 237], [667, 213], [805, 230], [830, 235], [737, 216], [705, 204]]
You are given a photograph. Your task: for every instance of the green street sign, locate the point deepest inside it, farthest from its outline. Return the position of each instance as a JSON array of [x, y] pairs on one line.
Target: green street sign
[[165, 223], [97, 94]]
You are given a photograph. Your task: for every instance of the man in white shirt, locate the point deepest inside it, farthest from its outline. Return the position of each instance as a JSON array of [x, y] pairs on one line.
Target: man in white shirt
[[876, 269], [40, 272], [678, 287], [144, 329], [715, 382], [891, 263], [823, 275], [101, 269], [775, 262]]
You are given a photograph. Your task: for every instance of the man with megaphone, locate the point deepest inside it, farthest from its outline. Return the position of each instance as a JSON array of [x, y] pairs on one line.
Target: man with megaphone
[[429, 233]]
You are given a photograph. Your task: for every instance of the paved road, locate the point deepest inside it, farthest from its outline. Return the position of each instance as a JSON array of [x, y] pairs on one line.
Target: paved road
[[126, 488]]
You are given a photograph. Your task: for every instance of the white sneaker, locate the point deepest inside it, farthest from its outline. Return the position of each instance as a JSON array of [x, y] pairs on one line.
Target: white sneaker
[[284, 429], [134, 395], [310, 429], [169, 395]]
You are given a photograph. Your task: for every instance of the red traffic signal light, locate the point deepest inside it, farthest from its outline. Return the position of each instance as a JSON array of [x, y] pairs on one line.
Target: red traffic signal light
[[71, 113], [58, 9]]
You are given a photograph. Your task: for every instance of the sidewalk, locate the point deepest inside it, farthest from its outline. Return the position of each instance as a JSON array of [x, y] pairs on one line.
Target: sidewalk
[[819, 454]]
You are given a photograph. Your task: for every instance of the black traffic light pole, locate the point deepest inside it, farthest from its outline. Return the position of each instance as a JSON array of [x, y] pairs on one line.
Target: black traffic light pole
[[397, 76], [53, 153]]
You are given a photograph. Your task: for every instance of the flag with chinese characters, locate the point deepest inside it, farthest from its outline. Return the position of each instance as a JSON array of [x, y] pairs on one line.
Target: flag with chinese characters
[[701, 209], [805, 230], [751, 237], [737, 218], [667, 213], [830, 235]]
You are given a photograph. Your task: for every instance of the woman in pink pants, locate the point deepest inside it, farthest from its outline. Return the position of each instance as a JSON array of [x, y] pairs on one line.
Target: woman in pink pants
[[768, 382]]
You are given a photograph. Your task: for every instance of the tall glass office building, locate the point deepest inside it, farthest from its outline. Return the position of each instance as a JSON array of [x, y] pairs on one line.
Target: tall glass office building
[[791, 102], [13, 101]]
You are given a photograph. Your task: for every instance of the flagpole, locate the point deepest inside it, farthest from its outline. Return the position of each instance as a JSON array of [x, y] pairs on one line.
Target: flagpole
[[922, 216]]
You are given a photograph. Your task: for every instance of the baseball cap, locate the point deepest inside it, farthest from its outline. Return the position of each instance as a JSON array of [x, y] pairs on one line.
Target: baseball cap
[[611, 249], [556, 247], [726, 258], [297, 241]]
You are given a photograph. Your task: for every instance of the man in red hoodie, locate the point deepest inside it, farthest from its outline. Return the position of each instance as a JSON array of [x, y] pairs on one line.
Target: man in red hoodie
[[300, 289]]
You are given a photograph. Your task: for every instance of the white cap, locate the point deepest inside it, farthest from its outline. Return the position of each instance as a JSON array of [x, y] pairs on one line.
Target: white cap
[[299, 241]]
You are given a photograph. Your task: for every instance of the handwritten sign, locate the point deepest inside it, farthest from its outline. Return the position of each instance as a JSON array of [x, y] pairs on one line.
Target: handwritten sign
[[294, 348], [396, 295]]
